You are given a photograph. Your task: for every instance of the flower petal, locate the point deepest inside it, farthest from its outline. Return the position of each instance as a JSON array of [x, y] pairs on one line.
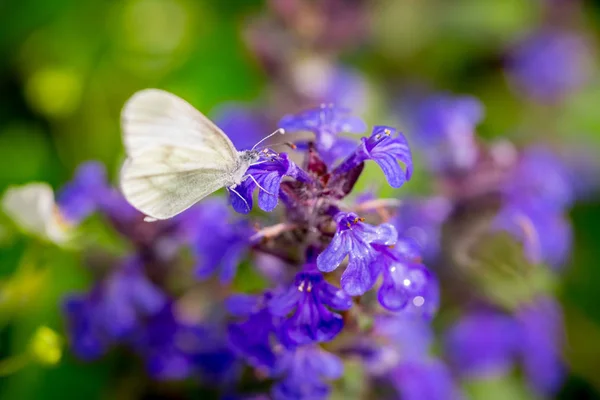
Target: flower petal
[[359, 276], [241, 196], [335, 297], [325, 364], [395, 176], [267, 198], [335, 253], [241, 305]]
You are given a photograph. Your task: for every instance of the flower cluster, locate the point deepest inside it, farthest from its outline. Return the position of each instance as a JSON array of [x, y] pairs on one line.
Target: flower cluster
[[488, 191], [325, 254]]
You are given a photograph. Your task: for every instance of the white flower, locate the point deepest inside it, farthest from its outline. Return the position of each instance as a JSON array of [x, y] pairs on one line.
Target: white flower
[[33, 209]]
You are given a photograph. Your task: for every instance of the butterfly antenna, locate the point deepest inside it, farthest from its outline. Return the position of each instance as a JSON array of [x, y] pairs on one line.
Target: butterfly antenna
[[288, 144], [280, 130]]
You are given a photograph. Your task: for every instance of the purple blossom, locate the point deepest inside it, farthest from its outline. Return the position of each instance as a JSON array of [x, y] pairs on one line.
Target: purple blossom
[[269, 174], [327, 123], [407, 284], [83, 195], [423, 379], [541, 176], [397, 351], [112, 311], [386, 146], [305, 371], [174, 350], [545, 234], [444, 129], [218, 240], [307, 301], [354, 238], [548, 65], [487, 343], [483, 344], [252, 338], [541, 340], [161, 346]]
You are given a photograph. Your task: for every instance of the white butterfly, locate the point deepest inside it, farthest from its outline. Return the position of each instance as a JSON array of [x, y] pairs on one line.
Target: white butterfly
[[176, 156]]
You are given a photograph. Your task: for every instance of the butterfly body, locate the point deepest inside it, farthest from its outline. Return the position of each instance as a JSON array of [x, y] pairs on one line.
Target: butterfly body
[[175, 155]]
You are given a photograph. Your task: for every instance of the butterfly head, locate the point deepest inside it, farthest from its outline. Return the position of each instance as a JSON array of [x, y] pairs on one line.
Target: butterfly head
[[250, 156]]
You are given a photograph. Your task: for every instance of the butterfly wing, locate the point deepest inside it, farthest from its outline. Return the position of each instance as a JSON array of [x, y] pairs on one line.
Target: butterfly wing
[[153, 117], [176, 156], [164, 181]]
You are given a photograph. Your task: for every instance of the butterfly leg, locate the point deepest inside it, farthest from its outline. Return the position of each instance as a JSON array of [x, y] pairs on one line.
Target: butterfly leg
[[240, 196], [257, 184]]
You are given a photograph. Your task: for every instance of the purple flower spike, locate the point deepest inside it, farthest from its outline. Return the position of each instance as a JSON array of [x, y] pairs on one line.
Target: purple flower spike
[[407, 284], [386, 146], [311, 320], [269, 174], [82, 196], [305, 370], [353, 238]]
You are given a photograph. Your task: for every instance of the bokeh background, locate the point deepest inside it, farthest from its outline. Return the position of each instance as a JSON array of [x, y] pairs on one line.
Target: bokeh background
[[67, 67]]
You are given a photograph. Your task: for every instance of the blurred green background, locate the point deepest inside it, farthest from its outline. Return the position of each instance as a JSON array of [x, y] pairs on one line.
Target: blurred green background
[[67, 67]]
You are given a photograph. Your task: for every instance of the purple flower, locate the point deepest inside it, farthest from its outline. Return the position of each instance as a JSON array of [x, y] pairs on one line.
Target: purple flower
[[483, 344], [174, 350], [354, 238], [424, 379], [162, 344], [327, 123], [305, 371], [540, 175], [307, 301], [252, 338], [218, 241], [112, 311], [444, 129], [407, 284], [548, 65], [386, 147], [82, 196], [487, 343], [397, 350], [421, 219], [545, 234], [541, 339], [269, 174]]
